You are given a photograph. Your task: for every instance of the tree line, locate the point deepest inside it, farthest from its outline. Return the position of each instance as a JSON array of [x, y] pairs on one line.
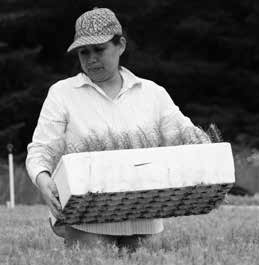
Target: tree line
[[205, 54]]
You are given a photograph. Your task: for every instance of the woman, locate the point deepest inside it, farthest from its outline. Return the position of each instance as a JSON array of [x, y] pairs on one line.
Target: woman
[[105, 107]]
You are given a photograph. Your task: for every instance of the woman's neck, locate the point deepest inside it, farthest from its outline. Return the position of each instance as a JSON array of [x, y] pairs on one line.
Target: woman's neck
[[111, 86]]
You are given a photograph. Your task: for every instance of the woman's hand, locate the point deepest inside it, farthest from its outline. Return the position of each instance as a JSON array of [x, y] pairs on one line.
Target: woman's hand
[[50, 193]]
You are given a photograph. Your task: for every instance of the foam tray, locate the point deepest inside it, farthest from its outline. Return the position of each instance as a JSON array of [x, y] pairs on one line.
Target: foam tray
[[90, 194]]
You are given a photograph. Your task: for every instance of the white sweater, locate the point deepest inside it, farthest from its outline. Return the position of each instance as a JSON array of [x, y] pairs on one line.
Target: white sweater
[[77, 116]]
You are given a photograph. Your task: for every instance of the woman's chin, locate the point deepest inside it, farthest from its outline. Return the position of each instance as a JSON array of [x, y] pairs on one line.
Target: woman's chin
[[98, 78]]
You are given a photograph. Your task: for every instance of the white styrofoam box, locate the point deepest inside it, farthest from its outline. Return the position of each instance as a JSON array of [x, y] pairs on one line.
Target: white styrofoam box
[[143, 169]]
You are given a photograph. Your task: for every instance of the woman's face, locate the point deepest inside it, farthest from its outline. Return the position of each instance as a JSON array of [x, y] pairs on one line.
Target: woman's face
[[100, 61]]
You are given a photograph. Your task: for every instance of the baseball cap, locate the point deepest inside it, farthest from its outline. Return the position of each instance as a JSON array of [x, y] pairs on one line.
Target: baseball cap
[[95, 27]]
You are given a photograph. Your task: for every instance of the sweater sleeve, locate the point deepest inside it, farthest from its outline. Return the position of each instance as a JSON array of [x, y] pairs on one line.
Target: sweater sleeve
[[48, 143], [175, 127]]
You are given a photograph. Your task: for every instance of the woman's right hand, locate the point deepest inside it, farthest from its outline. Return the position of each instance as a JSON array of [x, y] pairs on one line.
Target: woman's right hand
[[50, 193]]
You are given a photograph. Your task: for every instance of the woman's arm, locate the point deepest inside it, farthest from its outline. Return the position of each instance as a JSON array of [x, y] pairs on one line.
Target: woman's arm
[[175, 127], [47, 147]]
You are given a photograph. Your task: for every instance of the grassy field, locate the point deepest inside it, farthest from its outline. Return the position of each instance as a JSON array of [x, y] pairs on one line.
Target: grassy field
[[228, 235], [241, 200]]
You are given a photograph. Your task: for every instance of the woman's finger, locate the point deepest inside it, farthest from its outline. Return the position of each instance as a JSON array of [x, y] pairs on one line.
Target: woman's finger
[[53, 188], [47, 199], [54, 195], [55, 202], [54, 211]]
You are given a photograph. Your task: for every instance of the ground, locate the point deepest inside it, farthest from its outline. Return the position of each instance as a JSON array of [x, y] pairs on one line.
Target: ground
[[227, 235]]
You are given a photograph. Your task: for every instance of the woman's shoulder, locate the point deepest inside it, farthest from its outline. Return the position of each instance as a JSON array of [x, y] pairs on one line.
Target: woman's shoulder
[[150, 86], [65, 87], [146, 84], [69, 82]]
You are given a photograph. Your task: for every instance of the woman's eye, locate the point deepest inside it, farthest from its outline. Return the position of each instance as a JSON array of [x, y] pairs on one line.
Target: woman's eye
[[99, 50], [84, 52]]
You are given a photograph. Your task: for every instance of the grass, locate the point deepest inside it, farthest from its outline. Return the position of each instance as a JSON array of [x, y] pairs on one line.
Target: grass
[[242, 200], [228, 235]]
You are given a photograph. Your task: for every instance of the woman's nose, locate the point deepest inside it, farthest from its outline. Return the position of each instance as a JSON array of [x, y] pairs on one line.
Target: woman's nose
[[92, 58]]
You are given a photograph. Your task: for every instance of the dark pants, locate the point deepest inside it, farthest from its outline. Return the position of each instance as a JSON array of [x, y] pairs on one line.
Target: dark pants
[[85, 239]]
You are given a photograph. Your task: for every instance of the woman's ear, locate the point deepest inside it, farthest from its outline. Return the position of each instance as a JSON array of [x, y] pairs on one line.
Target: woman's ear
[[123, 44]]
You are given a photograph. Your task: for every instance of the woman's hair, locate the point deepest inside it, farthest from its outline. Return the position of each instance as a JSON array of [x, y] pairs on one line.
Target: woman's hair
[[116, 38]]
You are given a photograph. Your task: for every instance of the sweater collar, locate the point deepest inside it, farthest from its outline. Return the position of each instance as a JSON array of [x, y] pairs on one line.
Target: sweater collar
[[128, 78]]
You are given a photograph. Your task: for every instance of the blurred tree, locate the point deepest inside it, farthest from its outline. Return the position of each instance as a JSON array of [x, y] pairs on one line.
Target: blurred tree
[[206, 55]]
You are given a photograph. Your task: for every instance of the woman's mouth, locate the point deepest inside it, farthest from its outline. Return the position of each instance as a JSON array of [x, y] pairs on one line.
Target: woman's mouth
[[94, 69]]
